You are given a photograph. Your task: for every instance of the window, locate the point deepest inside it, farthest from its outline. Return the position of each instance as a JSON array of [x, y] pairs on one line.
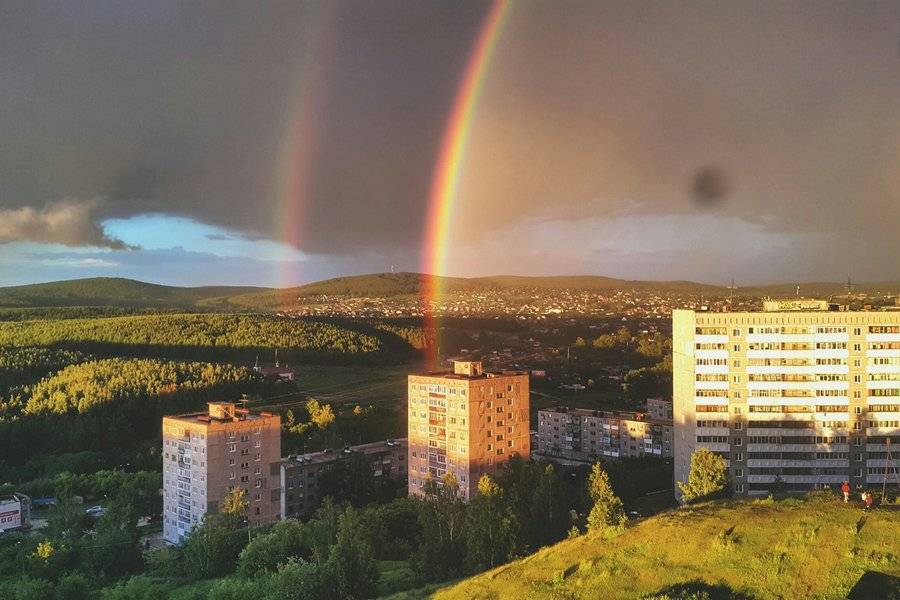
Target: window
[[738, 472], [737, 441]]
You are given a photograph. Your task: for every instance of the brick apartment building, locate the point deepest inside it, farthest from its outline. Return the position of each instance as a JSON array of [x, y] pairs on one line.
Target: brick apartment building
[[466, 421], [206, 454]]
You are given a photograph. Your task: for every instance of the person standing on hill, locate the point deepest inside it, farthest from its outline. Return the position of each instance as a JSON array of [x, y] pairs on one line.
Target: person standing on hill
[[846, 490]]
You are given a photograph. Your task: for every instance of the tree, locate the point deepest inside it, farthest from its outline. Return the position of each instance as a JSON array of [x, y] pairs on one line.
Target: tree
[[283, 542], [298, 579], [490, 528], [234, 504], [351, 562], [607, 511], [73, 587], [707, 479], [321, 415], [44, 551], [442, 520]]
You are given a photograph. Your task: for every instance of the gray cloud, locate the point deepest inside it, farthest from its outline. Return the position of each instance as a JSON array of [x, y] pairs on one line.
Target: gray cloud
[[68, 222], [601, 108]]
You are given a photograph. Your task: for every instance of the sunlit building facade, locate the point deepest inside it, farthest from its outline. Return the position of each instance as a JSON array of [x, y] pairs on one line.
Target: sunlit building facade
[[798, 396], [467, 422], [206, 454]]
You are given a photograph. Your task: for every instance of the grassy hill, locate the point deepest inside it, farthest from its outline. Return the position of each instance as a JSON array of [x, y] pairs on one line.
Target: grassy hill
[[113, 291], [758, 549]]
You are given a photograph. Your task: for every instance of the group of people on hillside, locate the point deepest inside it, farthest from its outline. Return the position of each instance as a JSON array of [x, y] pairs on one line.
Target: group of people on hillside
[[866, 496]]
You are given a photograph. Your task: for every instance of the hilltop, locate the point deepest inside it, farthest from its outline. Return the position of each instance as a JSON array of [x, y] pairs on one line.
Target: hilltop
[[120, 292], [753, 549], [113, 291]]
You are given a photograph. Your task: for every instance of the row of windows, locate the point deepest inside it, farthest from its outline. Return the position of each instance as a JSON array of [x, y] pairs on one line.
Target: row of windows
[[797, 455]]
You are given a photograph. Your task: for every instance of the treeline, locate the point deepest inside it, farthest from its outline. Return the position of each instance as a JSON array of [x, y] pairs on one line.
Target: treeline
[[110, 406], [363, 548], [208, 336], [74, 312], [20, 366]]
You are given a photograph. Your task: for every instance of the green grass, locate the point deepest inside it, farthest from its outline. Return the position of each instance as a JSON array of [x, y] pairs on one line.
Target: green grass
[[764, 549]]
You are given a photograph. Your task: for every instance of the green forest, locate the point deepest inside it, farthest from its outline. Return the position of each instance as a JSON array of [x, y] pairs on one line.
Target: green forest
[[223, 334]]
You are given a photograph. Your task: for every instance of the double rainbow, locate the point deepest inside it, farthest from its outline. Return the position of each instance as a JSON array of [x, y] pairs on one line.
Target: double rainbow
[[445, 185]]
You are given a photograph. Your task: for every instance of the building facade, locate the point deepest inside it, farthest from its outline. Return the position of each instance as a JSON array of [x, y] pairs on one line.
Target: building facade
[[580, 434], [796, 396], [300, 474], [15, 512], [467, 422], [657, 408], [207, 454]]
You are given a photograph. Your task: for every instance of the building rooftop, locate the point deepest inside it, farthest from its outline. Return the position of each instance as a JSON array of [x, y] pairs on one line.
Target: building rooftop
[[329, 455], [776, 305], [221, 412], [607, 414]]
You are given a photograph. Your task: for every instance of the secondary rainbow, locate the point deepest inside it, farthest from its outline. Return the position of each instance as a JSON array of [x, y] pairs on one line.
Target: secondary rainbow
[[443, 194]]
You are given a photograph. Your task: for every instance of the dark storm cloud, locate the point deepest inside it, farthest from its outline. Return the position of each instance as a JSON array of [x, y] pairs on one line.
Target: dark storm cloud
[[183, 108], [777, 115]]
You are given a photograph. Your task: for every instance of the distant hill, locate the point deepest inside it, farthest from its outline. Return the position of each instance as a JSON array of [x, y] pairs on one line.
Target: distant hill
[[114, 291], [111, 291], [403, 284], [752, 549]]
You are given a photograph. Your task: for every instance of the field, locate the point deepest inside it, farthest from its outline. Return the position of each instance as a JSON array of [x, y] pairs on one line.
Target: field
[[817, 548]]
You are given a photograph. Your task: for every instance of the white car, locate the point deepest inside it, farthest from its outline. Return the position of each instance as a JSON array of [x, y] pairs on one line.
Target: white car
[[94, 511]]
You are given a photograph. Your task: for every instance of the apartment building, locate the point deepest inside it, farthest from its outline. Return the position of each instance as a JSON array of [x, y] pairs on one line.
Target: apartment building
[[206, 454], [799, 395], [15, 512], [300, 474], [466, 421], [581, 434], [659, 409]]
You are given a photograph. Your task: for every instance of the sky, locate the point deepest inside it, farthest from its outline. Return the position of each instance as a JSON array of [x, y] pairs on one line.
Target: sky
[[277, 143]]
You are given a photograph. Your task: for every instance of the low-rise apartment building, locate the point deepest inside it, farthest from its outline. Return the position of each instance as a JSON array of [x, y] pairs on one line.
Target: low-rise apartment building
[[581, 434], [206, 454], [15, 512], [300, 474]]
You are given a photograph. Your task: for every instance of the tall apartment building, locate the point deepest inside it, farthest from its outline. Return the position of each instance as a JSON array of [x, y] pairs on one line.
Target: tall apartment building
[[300, 473], [797, 395], [465, 421], [206, 454], [582, 434]]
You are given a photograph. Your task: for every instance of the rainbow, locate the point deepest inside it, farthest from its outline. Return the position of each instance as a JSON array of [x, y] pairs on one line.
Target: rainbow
[[442, 197], [302, 132]]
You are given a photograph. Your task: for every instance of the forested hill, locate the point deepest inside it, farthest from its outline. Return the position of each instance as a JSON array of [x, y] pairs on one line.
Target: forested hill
[[118, 292], [114, 291]]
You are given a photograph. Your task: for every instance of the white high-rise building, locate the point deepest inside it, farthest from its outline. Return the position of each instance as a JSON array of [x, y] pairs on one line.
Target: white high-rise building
[[796, 396]]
